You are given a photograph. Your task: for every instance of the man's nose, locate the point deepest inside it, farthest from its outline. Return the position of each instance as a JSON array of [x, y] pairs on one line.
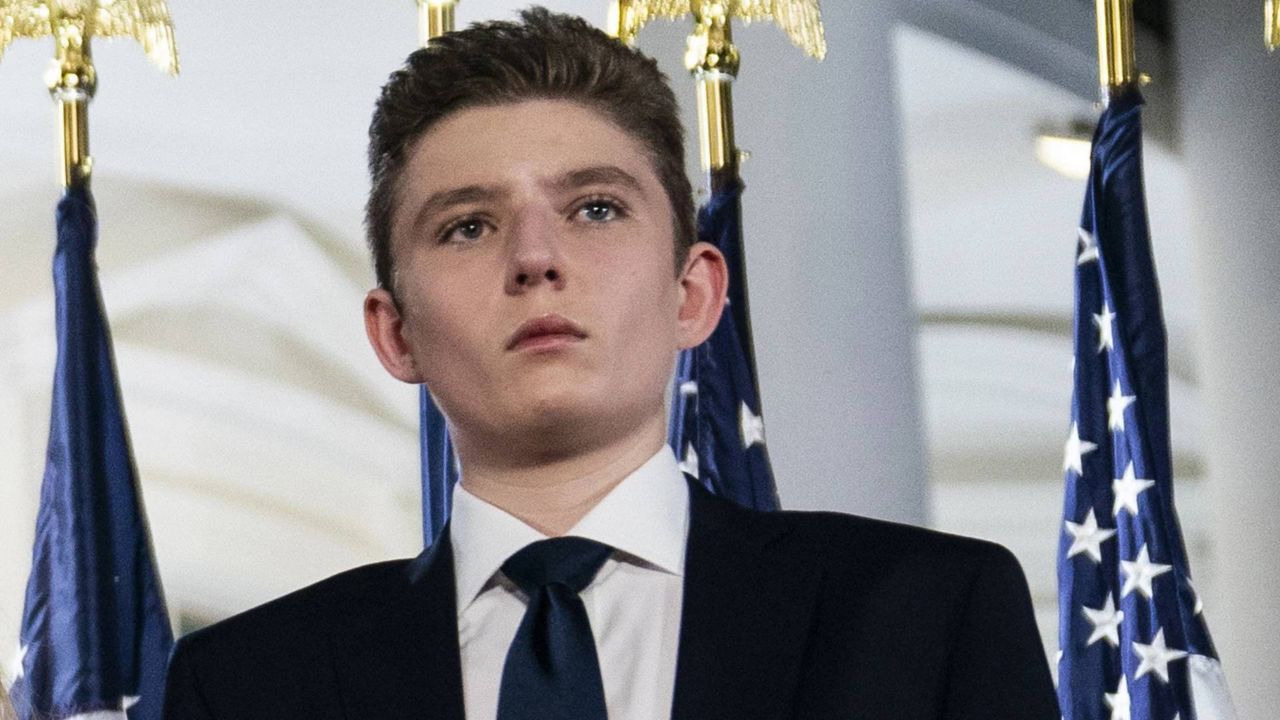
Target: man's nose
[[535, 256]]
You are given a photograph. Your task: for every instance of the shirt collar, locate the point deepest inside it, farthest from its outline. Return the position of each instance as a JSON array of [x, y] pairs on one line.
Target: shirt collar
[[646, 516]]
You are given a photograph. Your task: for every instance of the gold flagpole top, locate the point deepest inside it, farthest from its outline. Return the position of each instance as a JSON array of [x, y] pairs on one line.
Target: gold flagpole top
[[801, 20], [435, 18], [1271, 31], [1116, 62], [72, 78], [714, 60]]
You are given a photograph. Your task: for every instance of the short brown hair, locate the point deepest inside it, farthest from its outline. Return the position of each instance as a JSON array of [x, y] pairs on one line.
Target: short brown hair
[[544, 56]]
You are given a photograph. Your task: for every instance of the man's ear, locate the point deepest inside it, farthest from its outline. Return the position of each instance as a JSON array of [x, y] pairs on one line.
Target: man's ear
[[703, 285], [384, 325]]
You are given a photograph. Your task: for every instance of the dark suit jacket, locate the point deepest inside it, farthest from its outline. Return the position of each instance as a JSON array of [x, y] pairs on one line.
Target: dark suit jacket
[[786, 615]]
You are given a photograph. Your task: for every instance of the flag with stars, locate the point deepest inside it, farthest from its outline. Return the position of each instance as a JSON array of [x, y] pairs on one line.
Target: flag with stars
[[95, 635], [716, 428], [1133, 639], [439, 467]]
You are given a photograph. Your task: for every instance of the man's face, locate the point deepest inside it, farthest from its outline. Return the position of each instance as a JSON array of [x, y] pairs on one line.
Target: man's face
[[534, 248]]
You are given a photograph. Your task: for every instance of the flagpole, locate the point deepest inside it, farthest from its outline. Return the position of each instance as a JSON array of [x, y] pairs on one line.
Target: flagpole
[[1271, 31], [72, 81], [435, 18], [72, 78], [1116, 61], [714, 60]]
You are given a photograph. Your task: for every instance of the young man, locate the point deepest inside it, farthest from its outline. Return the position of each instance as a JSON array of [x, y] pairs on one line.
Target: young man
[[532, 230]]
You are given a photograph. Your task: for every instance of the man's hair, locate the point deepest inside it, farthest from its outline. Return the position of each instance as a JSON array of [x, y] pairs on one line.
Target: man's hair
[[544, 56]]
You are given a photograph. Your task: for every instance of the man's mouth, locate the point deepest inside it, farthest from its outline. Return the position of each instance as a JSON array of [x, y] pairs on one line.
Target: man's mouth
[[547, 332]]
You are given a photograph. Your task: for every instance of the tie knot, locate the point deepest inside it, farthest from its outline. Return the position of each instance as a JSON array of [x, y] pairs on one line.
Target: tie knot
[[569, 561]]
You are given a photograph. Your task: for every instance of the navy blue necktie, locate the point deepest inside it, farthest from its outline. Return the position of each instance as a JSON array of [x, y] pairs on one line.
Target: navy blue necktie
[[552, 671]]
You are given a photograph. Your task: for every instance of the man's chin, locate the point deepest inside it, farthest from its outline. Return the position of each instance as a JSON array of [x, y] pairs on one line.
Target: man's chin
[[557, 429]]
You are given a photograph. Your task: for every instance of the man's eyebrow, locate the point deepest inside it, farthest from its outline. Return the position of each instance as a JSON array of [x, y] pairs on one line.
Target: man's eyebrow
[[598, 175], [445, 199]]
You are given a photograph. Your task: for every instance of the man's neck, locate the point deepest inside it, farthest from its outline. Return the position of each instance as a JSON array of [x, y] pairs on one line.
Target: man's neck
[[552, 496]]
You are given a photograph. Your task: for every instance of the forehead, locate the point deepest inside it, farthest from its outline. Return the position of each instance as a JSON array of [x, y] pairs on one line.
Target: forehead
[[510, 144]]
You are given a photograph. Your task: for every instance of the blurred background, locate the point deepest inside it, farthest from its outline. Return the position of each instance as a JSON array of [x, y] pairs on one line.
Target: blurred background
[[910, 247]]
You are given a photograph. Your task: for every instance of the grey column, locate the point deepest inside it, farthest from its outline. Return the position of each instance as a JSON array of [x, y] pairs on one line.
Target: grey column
[[835, 324], [1230, 91]]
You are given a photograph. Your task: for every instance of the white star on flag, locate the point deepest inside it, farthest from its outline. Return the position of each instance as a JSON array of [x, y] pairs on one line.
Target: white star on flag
[[1106, 341], [1073, 454], [1140, 572], [1106, 623], [1088, 249], [1119, 701], [690, 462], [1087, 537], [688, 387], [129, 701], [1116, 405], [1156, 657], [1127, 489], [752, 427]]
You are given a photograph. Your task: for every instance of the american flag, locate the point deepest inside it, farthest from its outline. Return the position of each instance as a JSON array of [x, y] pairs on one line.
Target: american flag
[[95, 635], [1133, 639], [716, 428], [439, 467]]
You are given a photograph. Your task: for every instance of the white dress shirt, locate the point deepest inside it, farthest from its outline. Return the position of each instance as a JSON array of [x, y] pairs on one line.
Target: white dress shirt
[[633, 602]]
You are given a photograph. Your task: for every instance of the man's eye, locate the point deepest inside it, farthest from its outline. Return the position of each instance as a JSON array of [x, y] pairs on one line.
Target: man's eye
[[465, 231], [599, 211]]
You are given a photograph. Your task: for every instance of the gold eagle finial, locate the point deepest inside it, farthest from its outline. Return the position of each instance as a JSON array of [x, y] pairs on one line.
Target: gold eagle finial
[[801, 20], [71, 77], [70, 22]]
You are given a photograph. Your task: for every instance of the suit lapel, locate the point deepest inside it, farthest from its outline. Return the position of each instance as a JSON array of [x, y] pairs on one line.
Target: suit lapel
[[397, 657], [748, 601]]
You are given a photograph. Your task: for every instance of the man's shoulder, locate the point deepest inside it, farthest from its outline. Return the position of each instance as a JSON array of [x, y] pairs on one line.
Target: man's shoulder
[[301, 616], [281, 659], [869, 557], [841, 539], [896, 617], [899, 538]]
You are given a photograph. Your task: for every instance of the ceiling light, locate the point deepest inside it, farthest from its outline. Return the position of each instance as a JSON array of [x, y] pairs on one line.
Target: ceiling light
[[1066, 149]]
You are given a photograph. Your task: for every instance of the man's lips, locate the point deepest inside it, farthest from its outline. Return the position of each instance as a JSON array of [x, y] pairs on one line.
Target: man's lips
[[546, 331]]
